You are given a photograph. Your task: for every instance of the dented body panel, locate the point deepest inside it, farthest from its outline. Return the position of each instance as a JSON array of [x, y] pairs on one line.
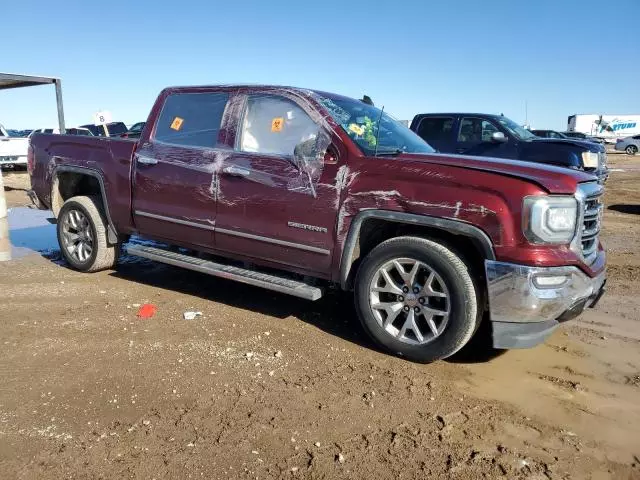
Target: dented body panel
[[270, 211]]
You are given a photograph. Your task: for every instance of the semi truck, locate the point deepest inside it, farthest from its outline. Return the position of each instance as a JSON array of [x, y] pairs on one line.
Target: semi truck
[[607, 127]]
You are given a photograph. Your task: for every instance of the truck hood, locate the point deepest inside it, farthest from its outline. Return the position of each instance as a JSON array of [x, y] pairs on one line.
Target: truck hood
[[585, 144], [554, 179]]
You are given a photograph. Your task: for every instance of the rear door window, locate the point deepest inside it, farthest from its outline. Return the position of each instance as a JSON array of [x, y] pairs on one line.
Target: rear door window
[[435, 129], [191, 119]]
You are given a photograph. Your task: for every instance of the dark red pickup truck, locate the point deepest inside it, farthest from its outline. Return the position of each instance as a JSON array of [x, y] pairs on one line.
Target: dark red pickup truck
[[293, 190]]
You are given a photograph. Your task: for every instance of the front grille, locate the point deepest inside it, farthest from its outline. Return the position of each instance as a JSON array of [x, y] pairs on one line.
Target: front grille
[[592, 218]]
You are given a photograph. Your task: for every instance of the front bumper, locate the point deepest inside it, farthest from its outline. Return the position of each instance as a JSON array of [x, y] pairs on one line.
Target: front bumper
[[527, 303], [6, 160]]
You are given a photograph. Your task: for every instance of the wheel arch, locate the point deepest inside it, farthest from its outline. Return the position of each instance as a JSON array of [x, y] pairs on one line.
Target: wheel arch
[[70, 181], [370, 227]]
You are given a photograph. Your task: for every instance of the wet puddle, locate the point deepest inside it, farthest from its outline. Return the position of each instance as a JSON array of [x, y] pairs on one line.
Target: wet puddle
[[33, 231]]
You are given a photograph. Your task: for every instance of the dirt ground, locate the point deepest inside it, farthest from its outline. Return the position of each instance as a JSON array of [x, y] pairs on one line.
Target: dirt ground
[[267, 386]]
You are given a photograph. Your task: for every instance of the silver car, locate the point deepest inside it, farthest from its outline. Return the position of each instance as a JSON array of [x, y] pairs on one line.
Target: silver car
[[630, 145]]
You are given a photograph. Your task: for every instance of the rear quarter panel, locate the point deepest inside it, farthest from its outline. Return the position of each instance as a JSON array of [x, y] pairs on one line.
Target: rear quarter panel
[[109, 158]]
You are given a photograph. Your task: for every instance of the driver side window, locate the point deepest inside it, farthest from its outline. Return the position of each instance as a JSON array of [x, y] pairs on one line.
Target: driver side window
[[275, 125], [476, 130]]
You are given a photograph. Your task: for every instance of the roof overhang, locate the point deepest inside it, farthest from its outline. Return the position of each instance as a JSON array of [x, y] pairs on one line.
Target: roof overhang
[[11, 80]]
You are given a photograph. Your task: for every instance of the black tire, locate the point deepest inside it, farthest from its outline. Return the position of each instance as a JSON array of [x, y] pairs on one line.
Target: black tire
[[103, 255], [464, 300], [631, 150]]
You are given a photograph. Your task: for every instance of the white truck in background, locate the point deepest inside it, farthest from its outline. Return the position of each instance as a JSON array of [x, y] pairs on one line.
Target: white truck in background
[[607, 127], [13, 151]]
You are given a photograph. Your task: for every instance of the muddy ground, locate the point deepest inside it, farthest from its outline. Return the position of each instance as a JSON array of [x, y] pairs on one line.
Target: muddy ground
[[267, 386]]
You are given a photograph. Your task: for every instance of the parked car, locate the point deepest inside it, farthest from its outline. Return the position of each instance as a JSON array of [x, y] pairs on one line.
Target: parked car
[[313, 189], [68, 131], [583, 136], [13, 150], [486, 135], [569, 136], [548, 134], [113, 129], [630, 145], [134, 131]]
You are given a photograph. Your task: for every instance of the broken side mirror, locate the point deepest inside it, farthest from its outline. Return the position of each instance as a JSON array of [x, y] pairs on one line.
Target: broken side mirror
[[303, 151], [308, 157]]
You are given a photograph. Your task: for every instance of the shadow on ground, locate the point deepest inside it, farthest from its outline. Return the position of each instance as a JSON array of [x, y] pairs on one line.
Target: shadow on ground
[[625, 208], [334, 313], [479, 349]]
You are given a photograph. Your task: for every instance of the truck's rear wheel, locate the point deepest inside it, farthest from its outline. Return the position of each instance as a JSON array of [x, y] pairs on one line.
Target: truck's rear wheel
[[82, 235], [416, 298]]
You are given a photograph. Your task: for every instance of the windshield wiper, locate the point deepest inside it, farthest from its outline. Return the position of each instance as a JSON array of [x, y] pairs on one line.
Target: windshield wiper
[[392, 153]]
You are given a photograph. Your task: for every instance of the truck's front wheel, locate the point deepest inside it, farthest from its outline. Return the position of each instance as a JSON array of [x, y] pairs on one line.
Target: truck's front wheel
[[416, 298], [82, 235]]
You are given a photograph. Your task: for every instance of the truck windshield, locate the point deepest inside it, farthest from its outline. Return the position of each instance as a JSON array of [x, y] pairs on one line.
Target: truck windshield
[[515, 129], [360, 121]]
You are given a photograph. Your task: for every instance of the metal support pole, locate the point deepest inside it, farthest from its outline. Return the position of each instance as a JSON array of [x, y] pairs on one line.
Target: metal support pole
[[58, 85], [5, 244]]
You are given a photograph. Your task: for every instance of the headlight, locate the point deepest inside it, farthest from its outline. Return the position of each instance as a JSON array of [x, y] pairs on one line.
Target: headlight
[[550, 219], [590, 159]]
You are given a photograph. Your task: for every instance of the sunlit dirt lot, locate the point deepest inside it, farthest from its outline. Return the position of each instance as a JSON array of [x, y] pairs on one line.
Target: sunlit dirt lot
[[266, 386]]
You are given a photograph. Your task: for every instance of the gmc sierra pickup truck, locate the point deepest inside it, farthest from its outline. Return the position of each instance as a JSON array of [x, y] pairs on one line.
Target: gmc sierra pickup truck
[[293, 190], [497, 136]]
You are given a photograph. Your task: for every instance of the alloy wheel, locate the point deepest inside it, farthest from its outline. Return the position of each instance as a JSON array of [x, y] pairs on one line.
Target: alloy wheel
[[77, 235], [410, 301]]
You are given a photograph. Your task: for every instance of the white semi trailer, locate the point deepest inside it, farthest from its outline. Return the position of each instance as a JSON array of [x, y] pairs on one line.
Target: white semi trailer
[[607, 127]]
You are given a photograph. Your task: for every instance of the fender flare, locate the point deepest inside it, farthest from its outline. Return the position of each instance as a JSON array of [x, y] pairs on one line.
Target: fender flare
[[112, 234], [445, 224]]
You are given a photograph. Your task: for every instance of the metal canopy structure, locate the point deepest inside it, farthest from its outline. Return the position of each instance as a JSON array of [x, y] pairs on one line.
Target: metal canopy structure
[[10, 80]]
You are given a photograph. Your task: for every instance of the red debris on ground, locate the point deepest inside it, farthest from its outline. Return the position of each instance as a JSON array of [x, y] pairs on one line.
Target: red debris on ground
[[147, 310]]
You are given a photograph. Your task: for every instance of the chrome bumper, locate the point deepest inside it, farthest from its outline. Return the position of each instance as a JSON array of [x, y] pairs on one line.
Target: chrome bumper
[[527, 303]]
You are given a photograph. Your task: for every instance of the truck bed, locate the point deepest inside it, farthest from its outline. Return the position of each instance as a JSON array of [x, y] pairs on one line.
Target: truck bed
[[109, 159]]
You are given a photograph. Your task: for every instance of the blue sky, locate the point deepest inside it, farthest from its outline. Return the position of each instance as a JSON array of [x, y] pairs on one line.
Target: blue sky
[[560, 56]]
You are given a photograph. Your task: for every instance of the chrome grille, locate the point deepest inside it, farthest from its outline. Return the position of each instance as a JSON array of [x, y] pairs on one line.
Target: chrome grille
[[591, 220]]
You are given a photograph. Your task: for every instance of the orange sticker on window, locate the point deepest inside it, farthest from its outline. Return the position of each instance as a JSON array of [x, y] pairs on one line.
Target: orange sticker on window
[[277, 124], [177, 123]]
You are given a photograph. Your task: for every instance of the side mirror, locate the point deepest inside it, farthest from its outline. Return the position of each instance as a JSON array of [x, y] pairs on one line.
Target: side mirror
[[308, 157], [304, 151], [309, 154], [498, 137]]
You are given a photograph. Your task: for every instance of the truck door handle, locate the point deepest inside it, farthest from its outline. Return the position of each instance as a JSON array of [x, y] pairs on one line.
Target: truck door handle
[[146, 160], [460, 150], [236, 171]]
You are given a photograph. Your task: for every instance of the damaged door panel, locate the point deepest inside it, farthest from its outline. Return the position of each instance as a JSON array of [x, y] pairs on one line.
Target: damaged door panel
[[174, 171], [277, 167]]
